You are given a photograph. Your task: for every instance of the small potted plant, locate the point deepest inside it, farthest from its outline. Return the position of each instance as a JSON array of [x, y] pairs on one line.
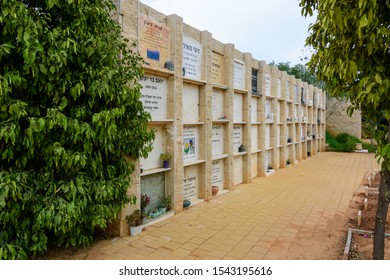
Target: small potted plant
[[166, 202], [135, 221], [165, 158]]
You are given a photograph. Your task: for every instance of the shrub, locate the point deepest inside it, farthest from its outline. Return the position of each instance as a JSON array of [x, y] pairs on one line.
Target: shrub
[[345, 142], [68, 119]]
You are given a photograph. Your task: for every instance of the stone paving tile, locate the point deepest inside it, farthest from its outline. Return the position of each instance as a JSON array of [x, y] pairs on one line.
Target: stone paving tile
[[181, 253], [258, 220]]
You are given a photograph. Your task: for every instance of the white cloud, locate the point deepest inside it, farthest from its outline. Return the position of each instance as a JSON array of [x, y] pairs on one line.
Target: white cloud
[[271, 30]]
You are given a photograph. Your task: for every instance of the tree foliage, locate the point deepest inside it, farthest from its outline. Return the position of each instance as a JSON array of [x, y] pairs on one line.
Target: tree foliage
[[299, 71], [69, 115], [351, 42]]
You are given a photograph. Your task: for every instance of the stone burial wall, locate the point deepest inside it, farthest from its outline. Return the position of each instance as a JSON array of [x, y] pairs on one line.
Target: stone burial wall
[[223, 116]]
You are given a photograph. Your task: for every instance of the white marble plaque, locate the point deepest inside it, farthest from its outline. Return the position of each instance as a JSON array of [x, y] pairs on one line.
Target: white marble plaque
[[238, 170], [154, 96], [190, 103], [217, 140], [288, 90], [217, 104], [237, 137], [254, 159], [191, 183], [254, 138], [267, 84], [217, 174], [239, 81], [192, 59], [267, 136], [254, 110]]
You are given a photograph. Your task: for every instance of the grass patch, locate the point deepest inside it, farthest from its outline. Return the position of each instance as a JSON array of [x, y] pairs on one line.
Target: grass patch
[[345, 142]]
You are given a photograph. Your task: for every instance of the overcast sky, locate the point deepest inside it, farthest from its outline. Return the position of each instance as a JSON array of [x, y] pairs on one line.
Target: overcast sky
[[271, 30]]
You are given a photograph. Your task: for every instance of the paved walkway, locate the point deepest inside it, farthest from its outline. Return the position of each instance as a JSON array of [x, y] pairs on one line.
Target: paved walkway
[[264, 219]]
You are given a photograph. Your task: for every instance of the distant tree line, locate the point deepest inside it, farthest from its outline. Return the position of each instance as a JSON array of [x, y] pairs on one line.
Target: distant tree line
[[299, 71]]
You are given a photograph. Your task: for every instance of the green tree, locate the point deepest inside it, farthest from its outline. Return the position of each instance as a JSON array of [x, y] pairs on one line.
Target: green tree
[[299, 71], [351, 42], [70, 120]]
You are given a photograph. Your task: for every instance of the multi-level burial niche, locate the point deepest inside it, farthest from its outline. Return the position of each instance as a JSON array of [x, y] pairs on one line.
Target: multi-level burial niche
[[223, 116]]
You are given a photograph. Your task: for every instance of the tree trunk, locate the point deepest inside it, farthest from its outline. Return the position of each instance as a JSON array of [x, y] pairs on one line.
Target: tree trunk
[[381, 213], [381, 216]]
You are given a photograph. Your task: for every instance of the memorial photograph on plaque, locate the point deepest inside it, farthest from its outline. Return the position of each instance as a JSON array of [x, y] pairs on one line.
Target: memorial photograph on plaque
[[190, 143]]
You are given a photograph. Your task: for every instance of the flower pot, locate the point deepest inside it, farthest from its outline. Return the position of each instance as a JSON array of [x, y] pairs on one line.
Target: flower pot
[[358, 146], [165, 164], [162, 210], [214, 190], [135, 230]]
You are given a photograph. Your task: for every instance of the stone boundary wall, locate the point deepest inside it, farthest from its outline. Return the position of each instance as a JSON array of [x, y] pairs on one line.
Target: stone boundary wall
[[338, 120], [224, 116]]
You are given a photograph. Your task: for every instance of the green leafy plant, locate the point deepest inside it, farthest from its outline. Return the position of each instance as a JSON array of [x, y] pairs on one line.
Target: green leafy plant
[[70, 121], [135, 219], [350, 46], [345, 142], [166, 201], [165, 157]]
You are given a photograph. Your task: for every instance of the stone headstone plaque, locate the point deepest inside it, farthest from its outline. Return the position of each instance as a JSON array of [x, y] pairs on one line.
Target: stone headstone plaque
[[239, 79], [217, 68], [217, 104], [192, 58], [237, 137], [191, 183], [154, 96], [154, 42], [217, 140], [217, 174]]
